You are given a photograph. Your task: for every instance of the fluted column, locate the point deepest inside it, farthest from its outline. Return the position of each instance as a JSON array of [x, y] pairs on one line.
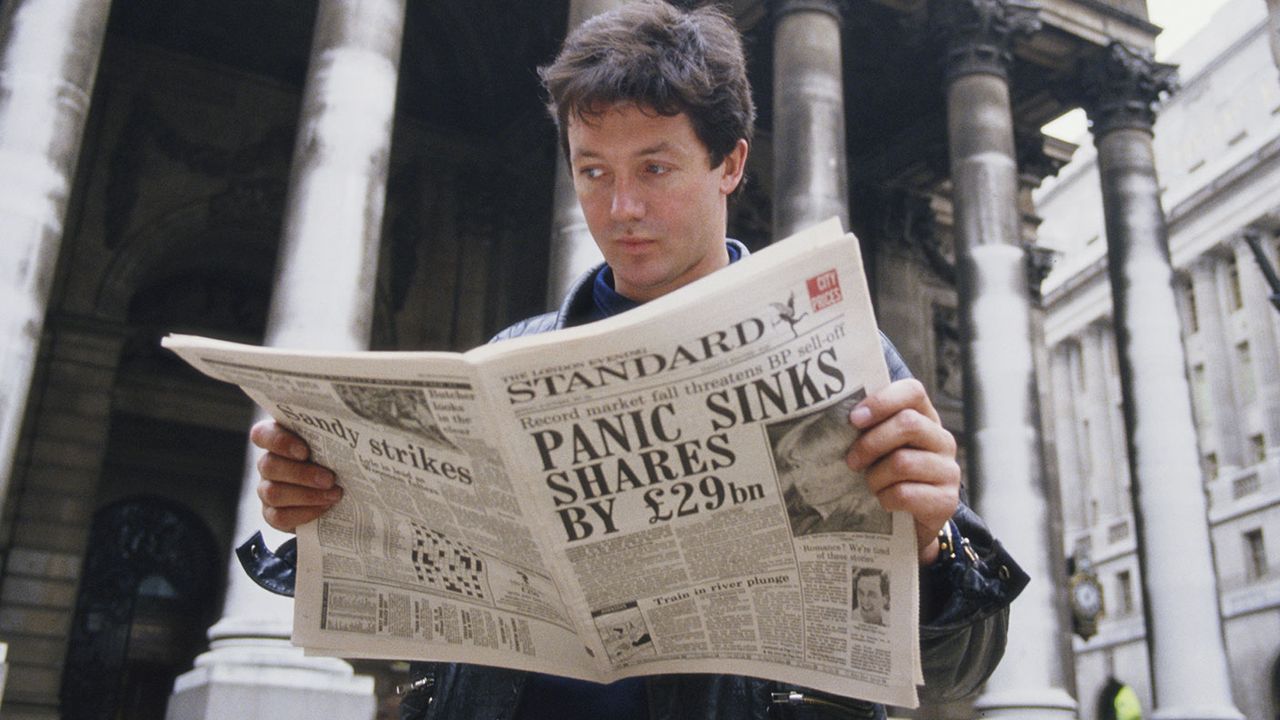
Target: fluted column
[[1222, 417], [573, 250], [810, 172], [322, 299], [1006, 464], [1262, 342], [49, 51], [1184, 628]]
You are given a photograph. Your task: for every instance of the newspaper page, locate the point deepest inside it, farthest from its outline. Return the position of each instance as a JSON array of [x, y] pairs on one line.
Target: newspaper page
[[661, 492]]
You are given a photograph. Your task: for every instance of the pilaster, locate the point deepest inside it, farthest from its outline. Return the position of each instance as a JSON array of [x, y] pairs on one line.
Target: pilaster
[[1273, 29], [1260, 330], [1222, 416], [1184, 626], [1075, 492], [1094, 351]]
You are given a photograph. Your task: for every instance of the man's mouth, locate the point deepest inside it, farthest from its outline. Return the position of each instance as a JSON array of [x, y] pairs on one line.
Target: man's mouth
[[632, 242]]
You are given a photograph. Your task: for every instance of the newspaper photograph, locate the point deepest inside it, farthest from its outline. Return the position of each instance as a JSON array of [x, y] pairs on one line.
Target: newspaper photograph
[[664, 491]]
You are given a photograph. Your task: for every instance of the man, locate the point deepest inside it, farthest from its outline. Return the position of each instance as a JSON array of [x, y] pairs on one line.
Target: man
[[655, 114], [871, 596]]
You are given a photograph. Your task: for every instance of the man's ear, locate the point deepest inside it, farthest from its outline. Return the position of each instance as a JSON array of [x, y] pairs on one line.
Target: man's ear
[[733, 167]]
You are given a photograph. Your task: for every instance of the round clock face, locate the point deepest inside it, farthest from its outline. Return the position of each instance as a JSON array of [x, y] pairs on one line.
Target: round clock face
[[1087, 597]]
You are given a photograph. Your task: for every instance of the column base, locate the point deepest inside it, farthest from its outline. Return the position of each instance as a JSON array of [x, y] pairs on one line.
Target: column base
[[1197, 712], [1040, 704], [267, 678]]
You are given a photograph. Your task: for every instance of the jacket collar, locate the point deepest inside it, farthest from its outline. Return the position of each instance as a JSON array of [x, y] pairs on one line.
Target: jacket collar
[[578, 302]]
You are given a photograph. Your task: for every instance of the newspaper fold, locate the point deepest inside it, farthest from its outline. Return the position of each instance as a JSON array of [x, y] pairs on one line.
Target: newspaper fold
[[660, 492]]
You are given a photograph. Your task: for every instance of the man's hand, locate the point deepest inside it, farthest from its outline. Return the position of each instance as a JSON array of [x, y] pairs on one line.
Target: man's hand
[[908, 458], [293, 490]]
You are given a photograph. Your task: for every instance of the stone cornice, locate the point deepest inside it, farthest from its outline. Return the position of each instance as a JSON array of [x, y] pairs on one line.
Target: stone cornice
[[1040, 156]]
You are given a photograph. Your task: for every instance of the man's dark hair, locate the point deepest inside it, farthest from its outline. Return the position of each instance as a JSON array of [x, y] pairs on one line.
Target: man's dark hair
[[874, 573], [662, 59]]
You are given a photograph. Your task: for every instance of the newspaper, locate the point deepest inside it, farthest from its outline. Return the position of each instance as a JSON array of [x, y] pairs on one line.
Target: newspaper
[[661, 492]]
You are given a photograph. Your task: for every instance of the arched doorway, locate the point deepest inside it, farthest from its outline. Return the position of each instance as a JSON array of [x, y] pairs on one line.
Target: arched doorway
[[148, 592]]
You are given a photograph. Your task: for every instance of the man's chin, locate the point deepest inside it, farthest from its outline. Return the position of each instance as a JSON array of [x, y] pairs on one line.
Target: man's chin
[[631, 276]]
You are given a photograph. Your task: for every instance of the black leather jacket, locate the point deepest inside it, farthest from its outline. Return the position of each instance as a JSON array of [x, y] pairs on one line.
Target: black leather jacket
[[964, 606]]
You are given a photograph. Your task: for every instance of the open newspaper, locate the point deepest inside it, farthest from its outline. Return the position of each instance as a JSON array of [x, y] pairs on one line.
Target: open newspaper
[[660, 492]]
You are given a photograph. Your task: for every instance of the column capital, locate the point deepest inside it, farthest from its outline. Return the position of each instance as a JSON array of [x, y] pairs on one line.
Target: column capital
[[1121, 87], [979, 34], [834, 8]]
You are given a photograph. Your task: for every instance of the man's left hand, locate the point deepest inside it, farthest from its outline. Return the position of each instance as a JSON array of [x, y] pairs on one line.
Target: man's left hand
[[908, 458]]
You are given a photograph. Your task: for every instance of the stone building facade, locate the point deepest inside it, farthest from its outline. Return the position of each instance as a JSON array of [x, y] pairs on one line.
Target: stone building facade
[[381, 174], [1217, 146]]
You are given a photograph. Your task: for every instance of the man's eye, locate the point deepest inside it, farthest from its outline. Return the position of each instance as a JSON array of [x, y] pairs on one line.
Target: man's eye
[[656, 169], [591, 173]]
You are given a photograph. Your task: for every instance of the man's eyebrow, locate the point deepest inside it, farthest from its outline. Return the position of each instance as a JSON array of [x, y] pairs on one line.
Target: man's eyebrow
[[653, 149], [589, 154]]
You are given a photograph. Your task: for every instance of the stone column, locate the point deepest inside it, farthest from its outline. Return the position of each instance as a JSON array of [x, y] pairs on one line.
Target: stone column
[[1262, 342], [1006, 464], [1184, 626], [1222, 415], [49, 52], [573, 250], [810, 175], [323, 299]]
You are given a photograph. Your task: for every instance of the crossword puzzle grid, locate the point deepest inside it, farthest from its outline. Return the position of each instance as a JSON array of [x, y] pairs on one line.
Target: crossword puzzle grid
[[447, 565]]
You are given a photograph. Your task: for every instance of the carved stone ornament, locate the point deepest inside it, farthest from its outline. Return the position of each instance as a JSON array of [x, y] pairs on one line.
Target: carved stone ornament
[[979, 34], [1039, 263], [1033, 161], [919, 228], [948, 361], [1122, 86]]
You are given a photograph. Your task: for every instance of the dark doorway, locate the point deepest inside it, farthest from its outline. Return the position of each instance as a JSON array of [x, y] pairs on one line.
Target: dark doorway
[[148, 591]]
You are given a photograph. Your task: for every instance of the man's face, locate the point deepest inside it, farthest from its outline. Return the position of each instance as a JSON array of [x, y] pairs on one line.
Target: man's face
[[871, 603], [656, 209]]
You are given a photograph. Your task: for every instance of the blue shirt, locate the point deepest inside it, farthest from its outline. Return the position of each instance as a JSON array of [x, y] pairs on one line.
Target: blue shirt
[[608, 302]]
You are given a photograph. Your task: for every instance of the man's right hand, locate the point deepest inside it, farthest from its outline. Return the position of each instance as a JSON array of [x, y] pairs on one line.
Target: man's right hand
[[294, 491]]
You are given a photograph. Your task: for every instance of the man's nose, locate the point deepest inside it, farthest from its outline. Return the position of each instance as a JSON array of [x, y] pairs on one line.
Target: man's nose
[[627, 202]]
